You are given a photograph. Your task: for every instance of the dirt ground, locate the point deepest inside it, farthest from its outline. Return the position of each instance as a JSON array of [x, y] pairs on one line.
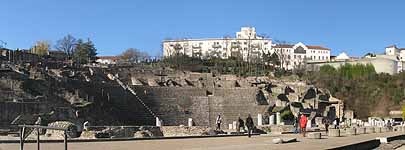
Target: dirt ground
[[263, 142]]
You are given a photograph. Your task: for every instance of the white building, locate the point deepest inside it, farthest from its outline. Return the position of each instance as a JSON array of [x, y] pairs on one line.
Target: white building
[[246, 43], [107, 59], [295, 56], [391, 62], [396, 54]]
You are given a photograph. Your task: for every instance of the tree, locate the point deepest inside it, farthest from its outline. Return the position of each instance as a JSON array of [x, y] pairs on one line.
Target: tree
[[134, 55], [66, 44], [40, 48], [84, 52]]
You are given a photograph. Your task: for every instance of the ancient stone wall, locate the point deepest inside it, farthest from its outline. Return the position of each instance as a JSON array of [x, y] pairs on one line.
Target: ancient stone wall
[[175, 105]]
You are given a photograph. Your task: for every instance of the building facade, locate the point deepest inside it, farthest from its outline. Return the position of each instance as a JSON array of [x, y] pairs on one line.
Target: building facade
[[396, 54], [247, 45], [298, 55]]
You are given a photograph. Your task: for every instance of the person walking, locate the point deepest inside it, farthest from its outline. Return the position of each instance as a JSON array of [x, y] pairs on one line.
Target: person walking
[[296, 124], [218, 122], [337, 123], [389, 125], [303, 124], [241, 124], [326, 123], [250, 125]]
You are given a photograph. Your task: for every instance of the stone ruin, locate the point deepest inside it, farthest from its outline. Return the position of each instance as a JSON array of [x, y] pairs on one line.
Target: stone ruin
[[92, 93]]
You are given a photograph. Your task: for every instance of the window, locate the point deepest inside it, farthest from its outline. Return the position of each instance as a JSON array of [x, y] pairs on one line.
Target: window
[[265, 43], [245, 43]]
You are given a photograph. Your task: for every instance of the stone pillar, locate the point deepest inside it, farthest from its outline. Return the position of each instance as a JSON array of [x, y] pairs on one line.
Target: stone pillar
[[234, 124], [334, 132], [230, 126], [190, 122], [259, 120], [271, 119], [158, 123], [278, 118], [351, 131]]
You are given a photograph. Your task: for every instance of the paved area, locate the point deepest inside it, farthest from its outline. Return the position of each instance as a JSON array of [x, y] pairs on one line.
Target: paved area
[[220, 143]]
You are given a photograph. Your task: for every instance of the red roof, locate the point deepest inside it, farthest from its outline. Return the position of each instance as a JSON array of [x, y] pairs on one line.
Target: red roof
[[316, 47], [308, 46], [108, 57]]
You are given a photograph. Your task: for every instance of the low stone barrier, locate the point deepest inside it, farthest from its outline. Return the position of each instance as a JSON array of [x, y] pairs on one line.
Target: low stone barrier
[[370, 130], [351, 131], [384, 129], [378, 130], [361, 130], [314, 135], [397, 128], [334, 132]]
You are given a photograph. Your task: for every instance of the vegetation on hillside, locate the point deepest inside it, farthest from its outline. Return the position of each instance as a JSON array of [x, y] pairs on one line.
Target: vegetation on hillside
[[361, 88], [233, 65]]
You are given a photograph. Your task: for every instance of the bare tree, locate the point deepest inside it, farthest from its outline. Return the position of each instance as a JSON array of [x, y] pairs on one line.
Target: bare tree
[[282, 53], [134, 55], [67, 44]]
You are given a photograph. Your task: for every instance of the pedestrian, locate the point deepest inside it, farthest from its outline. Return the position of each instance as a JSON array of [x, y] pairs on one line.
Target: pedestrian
[[249, 124], [241, 124], [326, 123], [296, 124], [337, 123], [303, 124], [389, 125], [218, 122]]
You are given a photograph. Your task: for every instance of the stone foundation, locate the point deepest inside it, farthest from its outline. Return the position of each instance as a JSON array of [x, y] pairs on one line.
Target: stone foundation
[[334, 132]]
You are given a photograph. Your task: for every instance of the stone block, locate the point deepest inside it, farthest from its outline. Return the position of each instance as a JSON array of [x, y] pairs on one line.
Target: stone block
[[277, 141], [370, 130], [351, 131], [397, 129], [384, 129], [334, 132], [361, 130], [377, 129], [314, 135]]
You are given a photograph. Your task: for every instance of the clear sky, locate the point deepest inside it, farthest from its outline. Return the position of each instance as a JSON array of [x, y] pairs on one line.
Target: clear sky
[[352, 26]]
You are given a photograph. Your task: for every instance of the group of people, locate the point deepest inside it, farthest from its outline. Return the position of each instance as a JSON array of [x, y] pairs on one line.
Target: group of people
[[241, 124]]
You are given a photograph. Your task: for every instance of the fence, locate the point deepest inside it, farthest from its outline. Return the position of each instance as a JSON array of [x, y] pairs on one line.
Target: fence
[[37, 127]]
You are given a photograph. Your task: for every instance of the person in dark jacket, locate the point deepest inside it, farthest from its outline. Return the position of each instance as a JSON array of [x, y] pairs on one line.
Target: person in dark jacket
[[241, 124], [326, 122], [249, 124]]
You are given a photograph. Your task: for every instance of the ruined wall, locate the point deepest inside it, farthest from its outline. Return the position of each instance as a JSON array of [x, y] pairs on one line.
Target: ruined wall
[[174, 105], [234, 102]]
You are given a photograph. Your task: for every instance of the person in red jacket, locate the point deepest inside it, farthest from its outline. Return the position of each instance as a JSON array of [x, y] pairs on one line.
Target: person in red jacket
[[303, 124]]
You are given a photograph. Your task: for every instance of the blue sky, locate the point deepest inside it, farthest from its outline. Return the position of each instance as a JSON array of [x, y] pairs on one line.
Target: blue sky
[[352, 26]]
